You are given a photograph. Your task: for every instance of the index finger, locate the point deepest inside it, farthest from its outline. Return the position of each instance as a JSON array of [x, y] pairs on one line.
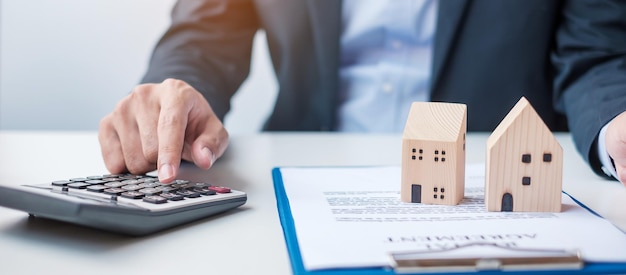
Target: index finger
[[171, 127]]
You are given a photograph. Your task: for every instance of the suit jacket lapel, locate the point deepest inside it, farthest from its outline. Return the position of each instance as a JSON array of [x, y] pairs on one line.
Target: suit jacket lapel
[[326, 27], [449, 16]]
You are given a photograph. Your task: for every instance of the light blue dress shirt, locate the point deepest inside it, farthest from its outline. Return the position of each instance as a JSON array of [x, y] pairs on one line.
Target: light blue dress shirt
[[386, 56]]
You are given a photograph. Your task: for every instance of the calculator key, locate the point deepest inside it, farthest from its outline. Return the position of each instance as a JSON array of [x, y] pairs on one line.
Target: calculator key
[[96, 188], [201, 184], [172, 196], [95, 177], [155, 199], [165, 189], [114, 184], [175, 185], [78, 185], [147, 180], [188, 193], [181, 181], [133, 182], [149, 184], [129, 177], [132, 195], [95, 182], [114, 191], [190, 186], [61, 182], [220, 189], [131, 187], [204, 191], [78, 179], [150, 191]]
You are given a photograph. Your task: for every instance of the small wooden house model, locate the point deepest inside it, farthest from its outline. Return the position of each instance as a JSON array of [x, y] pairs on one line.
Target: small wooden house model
[[433, 153], [524, 164]]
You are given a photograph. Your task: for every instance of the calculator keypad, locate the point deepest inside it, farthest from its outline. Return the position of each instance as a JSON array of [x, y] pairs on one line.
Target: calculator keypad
[[143, 188]]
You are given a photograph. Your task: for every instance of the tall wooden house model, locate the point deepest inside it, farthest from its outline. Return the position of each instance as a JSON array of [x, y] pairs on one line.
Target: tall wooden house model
[[524, 164], [433, 153]]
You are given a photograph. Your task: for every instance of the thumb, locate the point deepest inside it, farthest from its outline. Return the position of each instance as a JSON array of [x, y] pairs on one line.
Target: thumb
[[202, 155], [207, 148]]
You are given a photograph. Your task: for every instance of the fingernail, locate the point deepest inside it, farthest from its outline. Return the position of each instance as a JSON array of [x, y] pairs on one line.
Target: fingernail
[[208, 154], [166, 172]]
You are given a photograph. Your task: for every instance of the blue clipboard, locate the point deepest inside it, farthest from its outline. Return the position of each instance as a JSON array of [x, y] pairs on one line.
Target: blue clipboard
[[297, 265]]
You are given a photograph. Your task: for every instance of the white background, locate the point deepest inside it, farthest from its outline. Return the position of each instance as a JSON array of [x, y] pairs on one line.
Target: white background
[[65, 63]]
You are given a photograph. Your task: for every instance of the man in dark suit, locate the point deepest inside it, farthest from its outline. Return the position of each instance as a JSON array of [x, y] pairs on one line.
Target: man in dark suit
[[567, 57]]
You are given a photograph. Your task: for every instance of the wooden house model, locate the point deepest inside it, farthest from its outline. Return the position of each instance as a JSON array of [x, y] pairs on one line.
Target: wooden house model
[[433, 153], [524, 164]]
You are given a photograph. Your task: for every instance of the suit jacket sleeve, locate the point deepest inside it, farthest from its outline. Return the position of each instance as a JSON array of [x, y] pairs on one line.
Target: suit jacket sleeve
[[209, 46], [590, 63]]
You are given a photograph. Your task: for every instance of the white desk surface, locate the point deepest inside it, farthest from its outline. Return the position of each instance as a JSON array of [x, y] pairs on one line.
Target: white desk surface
[[245, 241]]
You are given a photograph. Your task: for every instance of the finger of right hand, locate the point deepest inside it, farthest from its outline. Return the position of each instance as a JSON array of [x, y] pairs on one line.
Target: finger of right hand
[[146, 110], [121, 143], [172, 123], [111, 147], [209, 145]]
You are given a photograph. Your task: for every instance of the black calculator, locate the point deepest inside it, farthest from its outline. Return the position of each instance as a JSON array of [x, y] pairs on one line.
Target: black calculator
[[129, 204]]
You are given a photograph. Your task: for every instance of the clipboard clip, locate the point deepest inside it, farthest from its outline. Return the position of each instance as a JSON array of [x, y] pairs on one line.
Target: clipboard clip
[[468, 258]]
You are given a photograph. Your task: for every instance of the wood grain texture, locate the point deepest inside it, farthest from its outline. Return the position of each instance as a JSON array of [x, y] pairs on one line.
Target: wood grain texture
[[433, 152], [515, 163]]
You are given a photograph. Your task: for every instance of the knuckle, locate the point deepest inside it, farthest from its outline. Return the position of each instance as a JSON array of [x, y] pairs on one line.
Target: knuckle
[[150, 153], [141, 91], [137, 166], [123, 107], [170, 119], [113, 164], [105, 123], [179, 88], [115, 167], [136, 163], [173, 82], [140, 95]]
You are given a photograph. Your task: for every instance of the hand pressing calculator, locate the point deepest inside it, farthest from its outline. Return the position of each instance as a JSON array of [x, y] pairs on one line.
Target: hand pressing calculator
[[129, 204]]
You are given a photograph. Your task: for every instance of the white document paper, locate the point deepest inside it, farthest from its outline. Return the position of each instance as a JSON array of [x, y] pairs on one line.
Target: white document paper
[[351, 217]]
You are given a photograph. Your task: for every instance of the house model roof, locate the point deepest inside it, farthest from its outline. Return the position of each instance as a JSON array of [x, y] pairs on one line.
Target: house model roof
[[522, 115], [435, 121]]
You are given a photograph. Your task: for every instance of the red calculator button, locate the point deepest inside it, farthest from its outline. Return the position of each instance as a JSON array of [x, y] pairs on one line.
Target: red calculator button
[[219, 189]]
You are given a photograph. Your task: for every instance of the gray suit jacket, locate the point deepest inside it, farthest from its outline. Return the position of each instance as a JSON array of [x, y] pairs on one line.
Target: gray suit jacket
[[567, 57]]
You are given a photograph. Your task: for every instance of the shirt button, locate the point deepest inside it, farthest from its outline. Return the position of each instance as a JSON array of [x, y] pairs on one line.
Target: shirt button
[[387, 88]]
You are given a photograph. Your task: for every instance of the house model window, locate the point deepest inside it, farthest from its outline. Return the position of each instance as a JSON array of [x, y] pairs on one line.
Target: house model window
[[547, 157]]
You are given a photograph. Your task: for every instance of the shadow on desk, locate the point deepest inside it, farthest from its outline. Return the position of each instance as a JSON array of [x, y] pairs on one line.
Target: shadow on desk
[[54, 233]]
